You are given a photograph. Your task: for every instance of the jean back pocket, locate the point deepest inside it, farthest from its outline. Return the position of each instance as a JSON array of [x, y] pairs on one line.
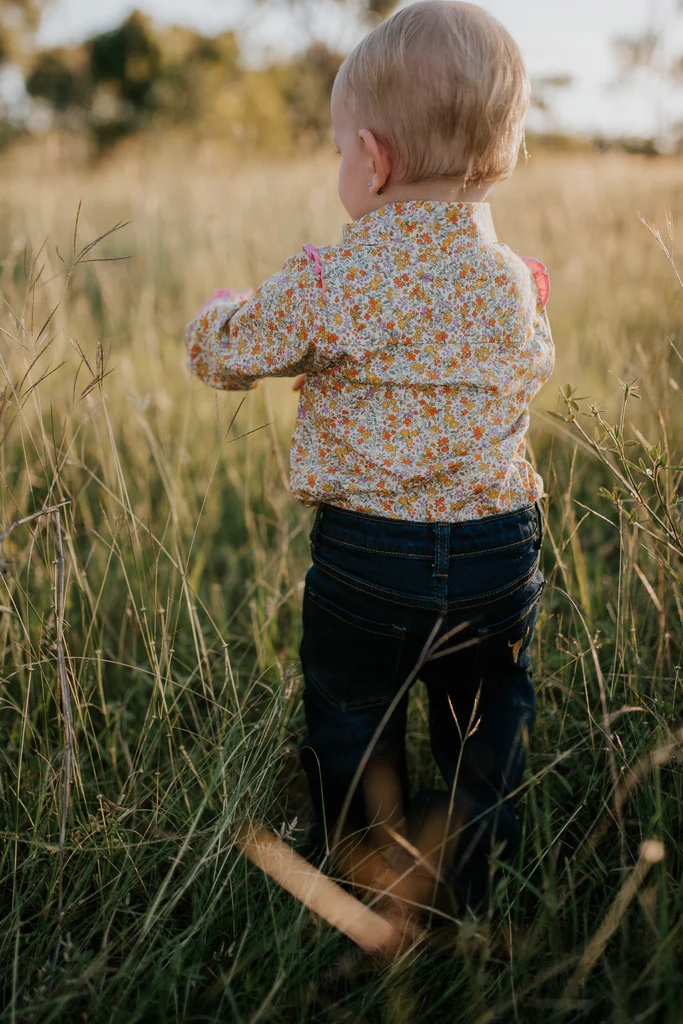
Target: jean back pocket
[[352, 661], [509, 637]]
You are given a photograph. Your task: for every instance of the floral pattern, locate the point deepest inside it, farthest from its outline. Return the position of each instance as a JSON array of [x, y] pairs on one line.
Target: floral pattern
[[424, 340]]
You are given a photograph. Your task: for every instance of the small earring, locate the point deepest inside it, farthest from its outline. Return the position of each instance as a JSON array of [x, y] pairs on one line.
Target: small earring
[[380, 191]]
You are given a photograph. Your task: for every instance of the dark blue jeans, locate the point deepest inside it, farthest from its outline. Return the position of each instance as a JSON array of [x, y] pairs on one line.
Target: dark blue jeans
[[375, 595]]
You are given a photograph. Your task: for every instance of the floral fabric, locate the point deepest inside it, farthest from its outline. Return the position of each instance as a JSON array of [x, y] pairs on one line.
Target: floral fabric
[[424, 340]]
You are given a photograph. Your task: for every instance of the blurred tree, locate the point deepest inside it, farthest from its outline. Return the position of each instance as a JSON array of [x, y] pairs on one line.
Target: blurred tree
[[369, 12], [61, 78], [307, 83], [647, 56], [544, 91], [19, 20], [377, 9], [198, 80], [138, 76], [636, 53], [121, 81], [129, 59]]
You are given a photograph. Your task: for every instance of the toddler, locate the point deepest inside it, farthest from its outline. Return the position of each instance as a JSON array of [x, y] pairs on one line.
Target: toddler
[[423, 340]]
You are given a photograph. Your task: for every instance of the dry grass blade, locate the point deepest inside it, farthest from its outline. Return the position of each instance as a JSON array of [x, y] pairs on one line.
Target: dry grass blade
[[65, 701], [43, 376], [11, 337], [651, 853], [80, 256], [319, 893], [606, 721], [654, 760], [656, 234], [27, 519], [78, 217], [95, 383], [472, 642], [16, 318], [418, 857], [648, 587], [41, 351], [520, 996], [78, 259]]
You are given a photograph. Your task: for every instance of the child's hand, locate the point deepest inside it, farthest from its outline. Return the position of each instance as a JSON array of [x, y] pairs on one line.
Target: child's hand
[[299, 382]]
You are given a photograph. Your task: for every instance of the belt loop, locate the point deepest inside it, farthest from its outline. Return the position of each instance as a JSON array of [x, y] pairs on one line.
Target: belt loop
[[316, 526], [539, 517], [441, 549]]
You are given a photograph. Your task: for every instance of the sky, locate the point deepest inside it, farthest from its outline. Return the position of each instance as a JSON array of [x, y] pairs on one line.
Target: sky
[[555, 35]]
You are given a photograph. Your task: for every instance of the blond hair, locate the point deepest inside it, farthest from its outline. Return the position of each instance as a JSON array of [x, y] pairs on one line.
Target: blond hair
[[444, 86]]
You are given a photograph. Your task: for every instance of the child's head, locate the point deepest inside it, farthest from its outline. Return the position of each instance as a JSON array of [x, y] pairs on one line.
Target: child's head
[[438, 92]]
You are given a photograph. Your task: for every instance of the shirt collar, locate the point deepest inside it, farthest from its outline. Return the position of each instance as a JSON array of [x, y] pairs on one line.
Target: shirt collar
[[422, 220]]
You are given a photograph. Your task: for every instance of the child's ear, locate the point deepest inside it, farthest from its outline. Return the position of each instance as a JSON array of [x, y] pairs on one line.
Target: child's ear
[[379, 158]]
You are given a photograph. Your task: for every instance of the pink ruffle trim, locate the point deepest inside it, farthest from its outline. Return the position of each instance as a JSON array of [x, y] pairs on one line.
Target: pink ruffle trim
[[225, 293], [541, 275], [314, 255]]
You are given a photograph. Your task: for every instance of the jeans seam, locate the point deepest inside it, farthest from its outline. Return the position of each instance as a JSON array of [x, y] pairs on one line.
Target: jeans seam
[[503, 624], [494, 594], [442, 546], [402, 554], [395, 596], [375, 551], [345, 705], [316, 532], [488, 551], [393, 631]]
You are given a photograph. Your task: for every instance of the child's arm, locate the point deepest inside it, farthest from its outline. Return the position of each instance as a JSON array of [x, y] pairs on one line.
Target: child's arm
[[279, 332]]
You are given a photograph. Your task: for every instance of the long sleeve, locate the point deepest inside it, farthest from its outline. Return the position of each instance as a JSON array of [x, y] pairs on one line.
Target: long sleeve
[[279, 332]]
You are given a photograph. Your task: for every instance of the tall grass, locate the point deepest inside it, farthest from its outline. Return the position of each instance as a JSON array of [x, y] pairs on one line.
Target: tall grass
[[151, 693]]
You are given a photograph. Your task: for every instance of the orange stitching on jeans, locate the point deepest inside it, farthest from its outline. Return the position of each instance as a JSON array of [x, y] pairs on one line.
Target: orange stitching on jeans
[[401, 554], [375, 551], [344, 704], [499, 627], [398, 632], [441, 537], [345, 578], [415, 601], [487, 551]]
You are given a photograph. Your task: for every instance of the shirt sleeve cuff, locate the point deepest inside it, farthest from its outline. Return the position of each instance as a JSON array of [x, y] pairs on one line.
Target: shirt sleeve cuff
[[205, 342]]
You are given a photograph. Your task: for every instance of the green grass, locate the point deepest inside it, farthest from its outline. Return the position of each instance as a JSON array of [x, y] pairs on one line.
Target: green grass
[[183, 558]]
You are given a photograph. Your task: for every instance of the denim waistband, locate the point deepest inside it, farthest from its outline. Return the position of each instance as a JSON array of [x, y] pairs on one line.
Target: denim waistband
[[418, 539]]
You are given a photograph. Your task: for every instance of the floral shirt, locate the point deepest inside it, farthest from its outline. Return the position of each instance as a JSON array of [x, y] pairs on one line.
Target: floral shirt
[[423, 339]]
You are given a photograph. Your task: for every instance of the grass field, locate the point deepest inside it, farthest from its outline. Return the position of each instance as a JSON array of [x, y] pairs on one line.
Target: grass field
[[162, 596]]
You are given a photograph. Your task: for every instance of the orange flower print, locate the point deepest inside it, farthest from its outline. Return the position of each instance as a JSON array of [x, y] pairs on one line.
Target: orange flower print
[[421, 352]]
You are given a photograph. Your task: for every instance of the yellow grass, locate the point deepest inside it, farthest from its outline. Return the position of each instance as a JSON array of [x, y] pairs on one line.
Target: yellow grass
[[183, 557]]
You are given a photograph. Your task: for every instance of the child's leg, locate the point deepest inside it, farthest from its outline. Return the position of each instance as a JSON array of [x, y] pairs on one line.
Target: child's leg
[[480, 719], [373, 597], [353, 667], [331, 752]]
